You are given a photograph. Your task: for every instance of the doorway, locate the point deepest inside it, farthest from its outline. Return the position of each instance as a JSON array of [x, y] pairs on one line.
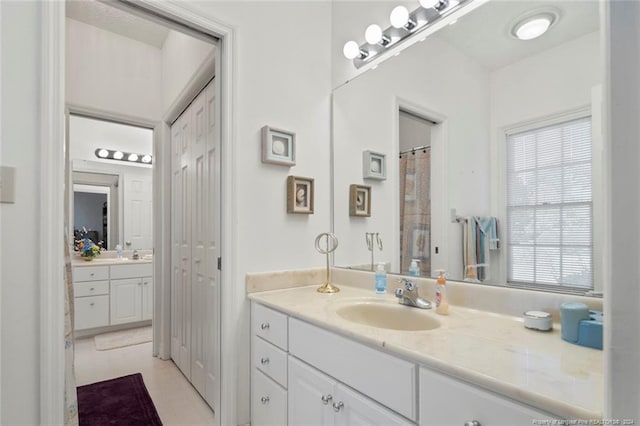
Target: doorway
[[129, 106]]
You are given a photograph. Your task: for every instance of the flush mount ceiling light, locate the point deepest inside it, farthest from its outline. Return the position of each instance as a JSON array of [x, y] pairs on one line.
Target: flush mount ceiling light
[[534, 24], [129, 157], [403, 25]]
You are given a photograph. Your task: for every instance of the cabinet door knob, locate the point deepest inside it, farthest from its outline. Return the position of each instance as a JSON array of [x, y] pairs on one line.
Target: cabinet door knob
[[264, 400], [264, 326], [326, 398], [337, 406], [264, 361], [91, 304], [91, 274], [139, 283], [91, 289], [472, 423]]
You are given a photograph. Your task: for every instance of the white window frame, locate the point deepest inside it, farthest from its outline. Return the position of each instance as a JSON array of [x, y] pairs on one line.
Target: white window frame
[[499, 200]]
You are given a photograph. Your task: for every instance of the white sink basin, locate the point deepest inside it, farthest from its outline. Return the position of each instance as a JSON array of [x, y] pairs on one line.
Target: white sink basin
[[389, 316]]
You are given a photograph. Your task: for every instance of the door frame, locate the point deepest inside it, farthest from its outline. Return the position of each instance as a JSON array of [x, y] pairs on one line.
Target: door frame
[[52, 145]]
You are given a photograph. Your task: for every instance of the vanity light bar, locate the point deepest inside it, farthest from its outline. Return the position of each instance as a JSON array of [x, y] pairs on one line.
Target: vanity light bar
[[412, 23], [129, 157]]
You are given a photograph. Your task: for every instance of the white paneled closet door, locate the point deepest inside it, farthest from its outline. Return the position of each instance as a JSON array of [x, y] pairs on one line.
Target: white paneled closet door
[[202, 214], [181, 140]]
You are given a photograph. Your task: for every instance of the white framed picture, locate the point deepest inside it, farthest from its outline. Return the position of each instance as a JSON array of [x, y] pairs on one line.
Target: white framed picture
[[278, 146], [374, 165]]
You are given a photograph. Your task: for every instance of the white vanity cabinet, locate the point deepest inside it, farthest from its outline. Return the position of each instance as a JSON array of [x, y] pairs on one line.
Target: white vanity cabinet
[[112, 294], [324, 379], [91, 294], [269, 344], [317, 399], [131, 293], [445, 401]]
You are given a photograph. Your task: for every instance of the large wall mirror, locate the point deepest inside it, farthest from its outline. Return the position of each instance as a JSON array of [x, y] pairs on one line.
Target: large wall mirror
[[492, 151], [112, 199]]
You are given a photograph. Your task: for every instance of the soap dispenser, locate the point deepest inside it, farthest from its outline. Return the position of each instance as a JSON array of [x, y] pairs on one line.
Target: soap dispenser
[[414, 271], [381, 279], [442, 304]]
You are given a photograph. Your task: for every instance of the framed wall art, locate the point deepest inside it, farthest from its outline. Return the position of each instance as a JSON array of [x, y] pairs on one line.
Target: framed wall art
[[360, 200], [373, 165], [278, 146], [299, 195]]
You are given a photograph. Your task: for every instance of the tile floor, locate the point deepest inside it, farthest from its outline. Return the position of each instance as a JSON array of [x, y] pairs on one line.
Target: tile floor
[[177, 402]]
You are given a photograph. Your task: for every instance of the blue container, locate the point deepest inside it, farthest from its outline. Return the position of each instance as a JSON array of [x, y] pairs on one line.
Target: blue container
[[580, 325]]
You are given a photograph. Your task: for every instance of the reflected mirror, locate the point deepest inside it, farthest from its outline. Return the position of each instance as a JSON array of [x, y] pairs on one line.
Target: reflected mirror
[[112, 199], [491, 147]]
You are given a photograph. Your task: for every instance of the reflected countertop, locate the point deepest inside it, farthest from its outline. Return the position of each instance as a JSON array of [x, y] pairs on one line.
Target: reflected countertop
[[491, 350]]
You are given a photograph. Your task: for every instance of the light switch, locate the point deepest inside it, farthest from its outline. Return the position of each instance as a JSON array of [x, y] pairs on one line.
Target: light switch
[[7, 185]]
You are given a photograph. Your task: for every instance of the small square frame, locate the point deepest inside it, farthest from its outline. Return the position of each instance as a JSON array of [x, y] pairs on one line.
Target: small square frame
[[300, 195], [278, 146], [359, 200], [374, 165]]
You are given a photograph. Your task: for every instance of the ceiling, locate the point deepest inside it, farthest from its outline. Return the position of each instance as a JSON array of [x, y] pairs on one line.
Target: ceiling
[[112, 19], [484, 34]]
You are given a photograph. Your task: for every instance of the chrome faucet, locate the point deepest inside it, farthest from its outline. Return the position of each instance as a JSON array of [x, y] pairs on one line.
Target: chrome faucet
[[409, 295]]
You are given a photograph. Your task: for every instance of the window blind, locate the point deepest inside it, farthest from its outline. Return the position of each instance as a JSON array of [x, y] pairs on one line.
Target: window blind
[[549, 206]]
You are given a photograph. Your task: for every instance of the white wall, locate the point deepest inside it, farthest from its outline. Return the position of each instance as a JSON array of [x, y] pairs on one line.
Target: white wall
[[86, 135], [112, 73], [181, 57], [19, 222], [364, 117]]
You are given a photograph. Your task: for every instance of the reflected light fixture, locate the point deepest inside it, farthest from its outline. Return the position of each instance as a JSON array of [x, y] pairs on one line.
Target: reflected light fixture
[[533, 26], [129, 157]]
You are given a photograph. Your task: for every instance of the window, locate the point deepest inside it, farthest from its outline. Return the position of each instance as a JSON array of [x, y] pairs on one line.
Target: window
[[550, 206]]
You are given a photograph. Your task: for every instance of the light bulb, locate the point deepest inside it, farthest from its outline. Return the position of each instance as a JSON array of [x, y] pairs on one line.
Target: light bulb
[[399, 16], [146, 159], [351, 49], [428, 4], [103, 153], [373, 34], [133, 157], [118, 155], [532, 28]]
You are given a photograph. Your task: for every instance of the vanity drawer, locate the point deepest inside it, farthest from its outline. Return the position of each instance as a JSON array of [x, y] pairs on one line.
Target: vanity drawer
[[91, 312], [270, 360], [270, 325], [90, 273], [90, 288], [268, 401], [132, 271], [382, 377]]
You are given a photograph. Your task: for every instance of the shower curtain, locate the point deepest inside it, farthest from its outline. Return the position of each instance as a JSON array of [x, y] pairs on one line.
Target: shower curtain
[[415, 210]]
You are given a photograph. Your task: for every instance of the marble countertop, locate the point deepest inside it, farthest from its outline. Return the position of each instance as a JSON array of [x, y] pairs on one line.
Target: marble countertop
[[491, 350], [76, 261]]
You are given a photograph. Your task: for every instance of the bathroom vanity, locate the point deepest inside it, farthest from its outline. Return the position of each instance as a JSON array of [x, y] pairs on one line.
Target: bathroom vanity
[[312, 365], [111, 292]]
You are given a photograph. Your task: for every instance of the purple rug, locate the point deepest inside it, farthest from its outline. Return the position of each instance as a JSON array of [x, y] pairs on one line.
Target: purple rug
[[123, 401]]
